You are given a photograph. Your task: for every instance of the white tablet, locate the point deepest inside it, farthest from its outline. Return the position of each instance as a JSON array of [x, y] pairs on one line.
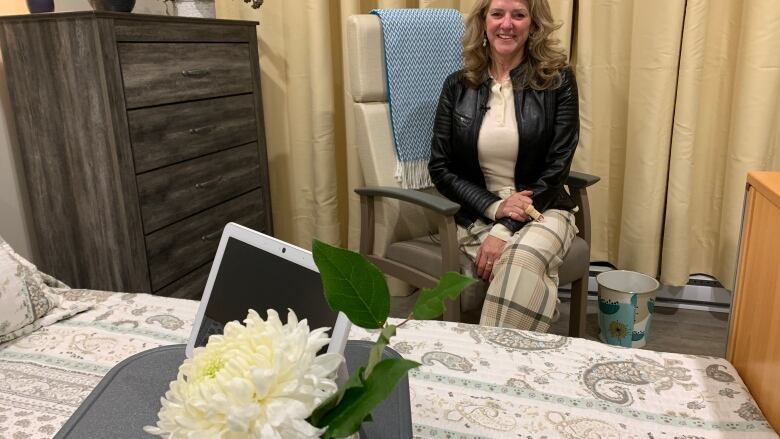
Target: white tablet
[[253, 270]]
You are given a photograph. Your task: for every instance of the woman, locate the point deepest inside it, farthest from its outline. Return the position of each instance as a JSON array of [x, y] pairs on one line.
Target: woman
[[504, 136]]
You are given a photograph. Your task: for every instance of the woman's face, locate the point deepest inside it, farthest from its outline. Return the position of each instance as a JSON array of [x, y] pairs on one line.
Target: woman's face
[[507, 25]]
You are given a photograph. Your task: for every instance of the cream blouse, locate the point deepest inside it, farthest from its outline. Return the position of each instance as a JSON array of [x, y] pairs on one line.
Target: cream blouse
[[497, 149]]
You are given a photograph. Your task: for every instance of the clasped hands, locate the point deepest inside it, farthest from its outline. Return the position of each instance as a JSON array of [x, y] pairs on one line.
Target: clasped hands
[[513, 207]]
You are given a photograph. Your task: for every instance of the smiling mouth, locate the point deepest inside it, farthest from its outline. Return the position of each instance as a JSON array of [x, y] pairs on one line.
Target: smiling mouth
[[505, 37]]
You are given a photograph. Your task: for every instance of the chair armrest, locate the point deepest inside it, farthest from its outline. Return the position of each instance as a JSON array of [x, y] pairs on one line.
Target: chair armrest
[[578, 183], [579, 180], [436, 203]]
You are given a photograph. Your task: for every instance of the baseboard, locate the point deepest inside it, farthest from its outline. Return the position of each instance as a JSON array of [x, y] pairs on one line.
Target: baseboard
[[702, 293]]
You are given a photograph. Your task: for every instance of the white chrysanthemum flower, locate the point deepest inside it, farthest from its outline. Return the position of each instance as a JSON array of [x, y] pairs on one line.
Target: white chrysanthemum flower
[[261, 380]]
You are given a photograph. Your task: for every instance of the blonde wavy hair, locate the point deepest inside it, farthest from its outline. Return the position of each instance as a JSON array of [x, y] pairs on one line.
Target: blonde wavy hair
[[545, 58]]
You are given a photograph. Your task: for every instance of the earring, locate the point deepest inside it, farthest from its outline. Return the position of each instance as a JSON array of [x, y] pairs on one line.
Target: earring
[[484, 41]]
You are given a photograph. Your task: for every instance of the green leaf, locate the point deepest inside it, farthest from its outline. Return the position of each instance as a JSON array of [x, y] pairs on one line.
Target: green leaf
[[379, 347], [352, 285], [358, 402], [355, 381], [430, 304], [351, 395]]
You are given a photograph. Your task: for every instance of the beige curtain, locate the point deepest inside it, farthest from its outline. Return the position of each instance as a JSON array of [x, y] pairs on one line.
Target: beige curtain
[[298, 79], [725, 124], [678, 100], [625, 57]]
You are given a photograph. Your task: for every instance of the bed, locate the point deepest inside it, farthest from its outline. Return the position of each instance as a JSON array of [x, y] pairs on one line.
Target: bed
[[45, 375], [474, 381]]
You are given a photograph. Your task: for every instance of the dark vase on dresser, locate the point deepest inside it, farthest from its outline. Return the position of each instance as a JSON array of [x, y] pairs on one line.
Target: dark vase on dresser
[[140, 138], [113, 5], [38, 6]]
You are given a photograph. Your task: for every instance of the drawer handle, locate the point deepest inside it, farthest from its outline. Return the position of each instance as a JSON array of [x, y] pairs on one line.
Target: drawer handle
[[208, 183], [201, 130], [194, 73], [210, 236]]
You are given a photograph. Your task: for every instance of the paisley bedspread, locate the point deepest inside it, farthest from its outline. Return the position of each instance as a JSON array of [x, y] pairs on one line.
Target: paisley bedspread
[[478, 382], [45, 375], [474, 381]]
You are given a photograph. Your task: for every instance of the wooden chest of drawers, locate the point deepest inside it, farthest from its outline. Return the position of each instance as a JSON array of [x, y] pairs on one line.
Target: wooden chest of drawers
[[140, 137], [754, 324]]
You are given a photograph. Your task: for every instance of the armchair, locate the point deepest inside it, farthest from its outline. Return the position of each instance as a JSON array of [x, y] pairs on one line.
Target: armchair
[[397, 224]]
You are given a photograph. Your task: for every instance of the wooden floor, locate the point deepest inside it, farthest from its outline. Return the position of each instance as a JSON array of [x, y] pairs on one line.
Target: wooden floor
[[684, 331], [673, 330]]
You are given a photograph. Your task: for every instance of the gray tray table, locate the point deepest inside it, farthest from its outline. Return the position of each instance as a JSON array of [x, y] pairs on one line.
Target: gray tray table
[[128, 397]]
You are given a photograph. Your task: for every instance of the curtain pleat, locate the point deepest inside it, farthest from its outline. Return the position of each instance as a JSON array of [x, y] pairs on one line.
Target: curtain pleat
[[600, 60], [298, 108], [354, 175], [563, 13], [699, 139], [655, 51], [325, 206]]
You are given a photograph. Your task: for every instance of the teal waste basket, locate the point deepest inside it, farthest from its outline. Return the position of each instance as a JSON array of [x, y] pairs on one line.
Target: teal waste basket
[[626, 303]]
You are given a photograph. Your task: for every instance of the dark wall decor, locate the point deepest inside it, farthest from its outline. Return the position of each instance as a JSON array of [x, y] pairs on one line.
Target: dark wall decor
[[140, 137]]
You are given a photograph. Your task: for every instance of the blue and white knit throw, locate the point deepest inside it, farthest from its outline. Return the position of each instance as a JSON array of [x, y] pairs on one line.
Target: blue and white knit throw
[[422, 47]]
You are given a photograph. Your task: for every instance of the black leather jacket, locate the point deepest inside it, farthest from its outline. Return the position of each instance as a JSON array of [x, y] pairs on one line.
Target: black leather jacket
[[548, 122]]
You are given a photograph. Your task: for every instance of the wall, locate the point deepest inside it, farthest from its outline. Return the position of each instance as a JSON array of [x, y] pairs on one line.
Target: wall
[[15, 227]]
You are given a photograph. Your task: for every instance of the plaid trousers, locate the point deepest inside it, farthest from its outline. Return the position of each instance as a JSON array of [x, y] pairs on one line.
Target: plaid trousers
[[524, 291]]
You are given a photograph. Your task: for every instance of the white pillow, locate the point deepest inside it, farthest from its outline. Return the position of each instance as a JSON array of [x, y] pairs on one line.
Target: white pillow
[[26, 296]]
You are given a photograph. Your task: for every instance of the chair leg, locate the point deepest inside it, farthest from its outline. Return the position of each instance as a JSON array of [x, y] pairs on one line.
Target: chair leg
[[578, 313], [452, 313]]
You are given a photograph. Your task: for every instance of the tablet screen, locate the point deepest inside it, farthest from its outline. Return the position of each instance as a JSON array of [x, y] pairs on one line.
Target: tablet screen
[[250, 277]]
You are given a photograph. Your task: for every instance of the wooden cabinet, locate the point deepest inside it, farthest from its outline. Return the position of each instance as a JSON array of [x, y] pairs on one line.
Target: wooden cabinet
[[754, 329], [140, 137]]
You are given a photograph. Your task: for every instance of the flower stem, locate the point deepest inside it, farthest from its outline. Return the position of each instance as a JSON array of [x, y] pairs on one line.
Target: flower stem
[[375, 355], [409, 317]]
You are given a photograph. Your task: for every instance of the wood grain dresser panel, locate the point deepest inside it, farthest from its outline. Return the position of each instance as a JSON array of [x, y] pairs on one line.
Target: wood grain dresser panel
[[180, 31], [161, 73], [754, 329], [171, 133], [179, 248], [84, 216], [175, 192], [190, 286]]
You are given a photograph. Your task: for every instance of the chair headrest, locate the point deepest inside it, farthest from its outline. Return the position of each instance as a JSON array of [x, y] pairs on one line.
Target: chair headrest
[[366, 54]]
